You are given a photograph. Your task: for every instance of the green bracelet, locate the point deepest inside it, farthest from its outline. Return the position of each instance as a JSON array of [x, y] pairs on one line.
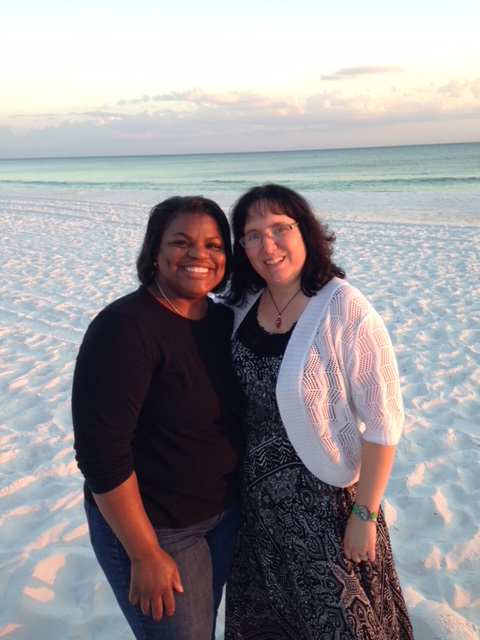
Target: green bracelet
[[364, 513]]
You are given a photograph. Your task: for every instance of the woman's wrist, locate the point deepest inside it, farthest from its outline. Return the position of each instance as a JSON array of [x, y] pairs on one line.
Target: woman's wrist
[[364, 513]]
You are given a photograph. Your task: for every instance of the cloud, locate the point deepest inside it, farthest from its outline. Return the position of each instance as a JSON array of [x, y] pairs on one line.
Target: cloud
[[199, 96], [454, 88], [458, 87], [347, 73], [71, 114], [475, 88], [201, 121], [142, 100]]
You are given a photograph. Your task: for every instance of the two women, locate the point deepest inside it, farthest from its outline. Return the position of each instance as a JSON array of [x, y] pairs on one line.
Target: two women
[[324, 414], [156, 413]]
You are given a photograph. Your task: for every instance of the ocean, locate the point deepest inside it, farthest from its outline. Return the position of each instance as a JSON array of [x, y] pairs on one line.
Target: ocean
[[423, 184]]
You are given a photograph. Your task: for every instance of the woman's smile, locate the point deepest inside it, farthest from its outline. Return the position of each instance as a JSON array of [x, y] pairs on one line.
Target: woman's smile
[[278, 261], [191, 259]]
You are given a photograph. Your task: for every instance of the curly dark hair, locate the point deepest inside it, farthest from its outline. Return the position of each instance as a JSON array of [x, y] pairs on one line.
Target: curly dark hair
[[162, 215], [318, 268]]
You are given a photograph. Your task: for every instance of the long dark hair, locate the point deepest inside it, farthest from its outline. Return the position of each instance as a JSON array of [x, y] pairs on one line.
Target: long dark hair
[[162, 215], [318, 268]]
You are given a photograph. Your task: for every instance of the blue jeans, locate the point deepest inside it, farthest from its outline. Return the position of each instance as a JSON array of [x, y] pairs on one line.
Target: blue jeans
[[203, 553]]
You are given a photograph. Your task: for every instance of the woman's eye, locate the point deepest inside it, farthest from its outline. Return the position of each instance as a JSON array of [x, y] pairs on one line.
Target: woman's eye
[[215, 246]]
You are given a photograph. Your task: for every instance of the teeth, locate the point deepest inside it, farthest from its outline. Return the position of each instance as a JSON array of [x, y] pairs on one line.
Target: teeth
[[196, 269], [271, 262]]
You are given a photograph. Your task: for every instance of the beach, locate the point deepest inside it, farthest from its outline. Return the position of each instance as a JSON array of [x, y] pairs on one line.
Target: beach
[[65, 256]]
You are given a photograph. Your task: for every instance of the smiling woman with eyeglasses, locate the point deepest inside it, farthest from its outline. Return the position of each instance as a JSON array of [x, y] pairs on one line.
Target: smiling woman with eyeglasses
[[276, 233], [324, 414]]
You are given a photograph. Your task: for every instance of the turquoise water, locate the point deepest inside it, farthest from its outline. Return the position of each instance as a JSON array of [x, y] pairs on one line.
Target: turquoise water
[[425, 182], [432, 167]]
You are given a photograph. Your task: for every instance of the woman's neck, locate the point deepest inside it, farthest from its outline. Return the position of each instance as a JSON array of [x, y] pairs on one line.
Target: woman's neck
[[191, 309], [282, 292], [281, 306]]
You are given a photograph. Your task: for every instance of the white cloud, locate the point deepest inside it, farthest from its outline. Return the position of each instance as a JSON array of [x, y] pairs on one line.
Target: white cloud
[[475, 88], [199, 96], [454, 88], [199, 120], [348, 73]]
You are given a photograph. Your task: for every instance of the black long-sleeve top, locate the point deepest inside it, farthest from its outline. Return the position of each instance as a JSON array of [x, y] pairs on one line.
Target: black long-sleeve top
[[155, 393]]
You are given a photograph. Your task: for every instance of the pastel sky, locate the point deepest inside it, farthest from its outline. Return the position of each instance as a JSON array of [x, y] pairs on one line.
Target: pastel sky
[[126, 77]]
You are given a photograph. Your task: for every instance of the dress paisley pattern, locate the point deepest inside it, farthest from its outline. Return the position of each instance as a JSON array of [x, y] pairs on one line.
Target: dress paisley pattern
[[290, 579]]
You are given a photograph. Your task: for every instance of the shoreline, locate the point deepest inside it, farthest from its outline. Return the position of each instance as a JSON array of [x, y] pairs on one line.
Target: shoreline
[[335, 209]]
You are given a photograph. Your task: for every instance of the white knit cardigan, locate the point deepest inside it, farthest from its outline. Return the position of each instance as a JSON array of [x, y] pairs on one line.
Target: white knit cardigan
[[338, 382]]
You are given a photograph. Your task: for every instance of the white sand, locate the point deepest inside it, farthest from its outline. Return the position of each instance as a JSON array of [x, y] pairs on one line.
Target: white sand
[[62, 260]]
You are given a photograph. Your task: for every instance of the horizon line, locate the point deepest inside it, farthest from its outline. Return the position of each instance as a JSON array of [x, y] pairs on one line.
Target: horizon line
[[222, 153]]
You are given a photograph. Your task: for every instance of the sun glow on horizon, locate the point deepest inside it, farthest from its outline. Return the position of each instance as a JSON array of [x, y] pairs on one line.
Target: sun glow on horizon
[[112, 78]]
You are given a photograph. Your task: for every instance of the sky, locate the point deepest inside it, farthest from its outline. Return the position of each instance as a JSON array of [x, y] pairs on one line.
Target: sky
[[142, 77]]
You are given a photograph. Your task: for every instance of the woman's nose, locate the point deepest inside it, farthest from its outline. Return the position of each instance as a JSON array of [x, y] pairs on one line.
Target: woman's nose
[[268, 242], [198, 250]]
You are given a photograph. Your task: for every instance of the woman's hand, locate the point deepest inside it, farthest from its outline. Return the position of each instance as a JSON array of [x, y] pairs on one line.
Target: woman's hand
[[360, 539], [154, 575], [154, 579], [360, 536]]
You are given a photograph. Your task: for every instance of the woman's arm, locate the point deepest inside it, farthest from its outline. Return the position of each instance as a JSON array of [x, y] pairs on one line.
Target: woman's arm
[[111, 380], [360, 536], [377, 396], [155, 575]]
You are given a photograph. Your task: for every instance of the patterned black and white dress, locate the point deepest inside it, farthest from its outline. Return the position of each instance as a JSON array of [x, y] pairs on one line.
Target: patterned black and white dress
[[290, 579]]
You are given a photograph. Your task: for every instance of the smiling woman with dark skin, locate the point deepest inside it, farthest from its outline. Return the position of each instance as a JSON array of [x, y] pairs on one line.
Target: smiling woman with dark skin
[[156, 413]]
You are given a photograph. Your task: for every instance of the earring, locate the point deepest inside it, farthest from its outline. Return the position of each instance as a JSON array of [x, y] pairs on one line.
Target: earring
[[155, 264]]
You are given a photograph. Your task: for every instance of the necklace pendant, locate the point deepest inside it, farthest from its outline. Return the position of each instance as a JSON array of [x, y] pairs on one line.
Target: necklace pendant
[[278, 321]]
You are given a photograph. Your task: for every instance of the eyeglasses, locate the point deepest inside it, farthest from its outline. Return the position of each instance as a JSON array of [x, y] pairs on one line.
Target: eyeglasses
[[255, 239]]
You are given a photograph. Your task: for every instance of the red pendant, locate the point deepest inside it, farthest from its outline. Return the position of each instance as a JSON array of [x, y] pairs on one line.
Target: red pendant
[[278, 321]]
